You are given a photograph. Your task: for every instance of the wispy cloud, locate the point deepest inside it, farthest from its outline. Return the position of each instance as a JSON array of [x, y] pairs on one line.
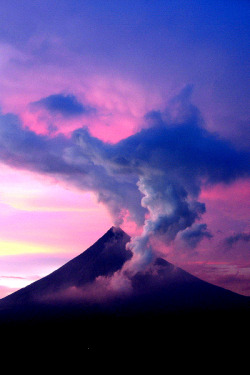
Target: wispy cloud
[[235, 238]]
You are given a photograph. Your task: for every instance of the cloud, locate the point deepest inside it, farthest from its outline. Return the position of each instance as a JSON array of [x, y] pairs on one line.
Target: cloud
[[65, 105], [156, 173], [102, 289], [237, 237], [194, 234]]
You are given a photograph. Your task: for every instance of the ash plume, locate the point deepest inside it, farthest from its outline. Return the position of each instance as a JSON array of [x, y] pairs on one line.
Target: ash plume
[[154, 176]]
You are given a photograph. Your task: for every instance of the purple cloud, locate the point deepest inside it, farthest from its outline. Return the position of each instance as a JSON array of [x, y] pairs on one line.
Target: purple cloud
[[66, 105]]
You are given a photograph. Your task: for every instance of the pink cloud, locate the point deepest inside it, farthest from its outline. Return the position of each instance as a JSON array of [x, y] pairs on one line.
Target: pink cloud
[[120, 102]]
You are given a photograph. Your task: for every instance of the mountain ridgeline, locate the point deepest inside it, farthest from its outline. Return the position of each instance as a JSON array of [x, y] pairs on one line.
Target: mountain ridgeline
[[161, 287]]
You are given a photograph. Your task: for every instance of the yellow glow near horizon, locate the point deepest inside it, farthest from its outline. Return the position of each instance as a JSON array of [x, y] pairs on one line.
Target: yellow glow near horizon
[[23, 206], [21, 248]]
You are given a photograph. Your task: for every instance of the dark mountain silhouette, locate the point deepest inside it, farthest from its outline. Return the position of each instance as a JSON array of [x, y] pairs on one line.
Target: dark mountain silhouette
[[163, 300], [161, 287]]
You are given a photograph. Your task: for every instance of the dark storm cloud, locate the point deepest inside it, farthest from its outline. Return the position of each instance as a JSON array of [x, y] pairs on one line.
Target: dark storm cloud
[[232, 240], [66, 105], [158, 171]]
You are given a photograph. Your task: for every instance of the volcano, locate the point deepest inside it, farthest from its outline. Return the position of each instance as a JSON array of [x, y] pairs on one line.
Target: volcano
[[160, 287], [159, 294]]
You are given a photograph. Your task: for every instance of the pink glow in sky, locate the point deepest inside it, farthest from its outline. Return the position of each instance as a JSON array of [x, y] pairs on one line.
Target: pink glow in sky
[[49, 220]]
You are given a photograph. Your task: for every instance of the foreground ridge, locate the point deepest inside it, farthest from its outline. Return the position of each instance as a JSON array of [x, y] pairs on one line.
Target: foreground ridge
[[165, 305]]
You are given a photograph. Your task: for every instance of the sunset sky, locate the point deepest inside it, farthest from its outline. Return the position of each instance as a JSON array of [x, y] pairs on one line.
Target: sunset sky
[[158, 86]]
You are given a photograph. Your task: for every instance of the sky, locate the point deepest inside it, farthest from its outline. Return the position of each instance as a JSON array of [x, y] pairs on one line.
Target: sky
[[133, 113]]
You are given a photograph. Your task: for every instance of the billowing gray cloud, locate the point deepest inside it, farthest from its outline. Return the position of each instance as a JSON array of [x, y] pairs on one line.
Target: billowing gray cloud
[[159, 170]]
